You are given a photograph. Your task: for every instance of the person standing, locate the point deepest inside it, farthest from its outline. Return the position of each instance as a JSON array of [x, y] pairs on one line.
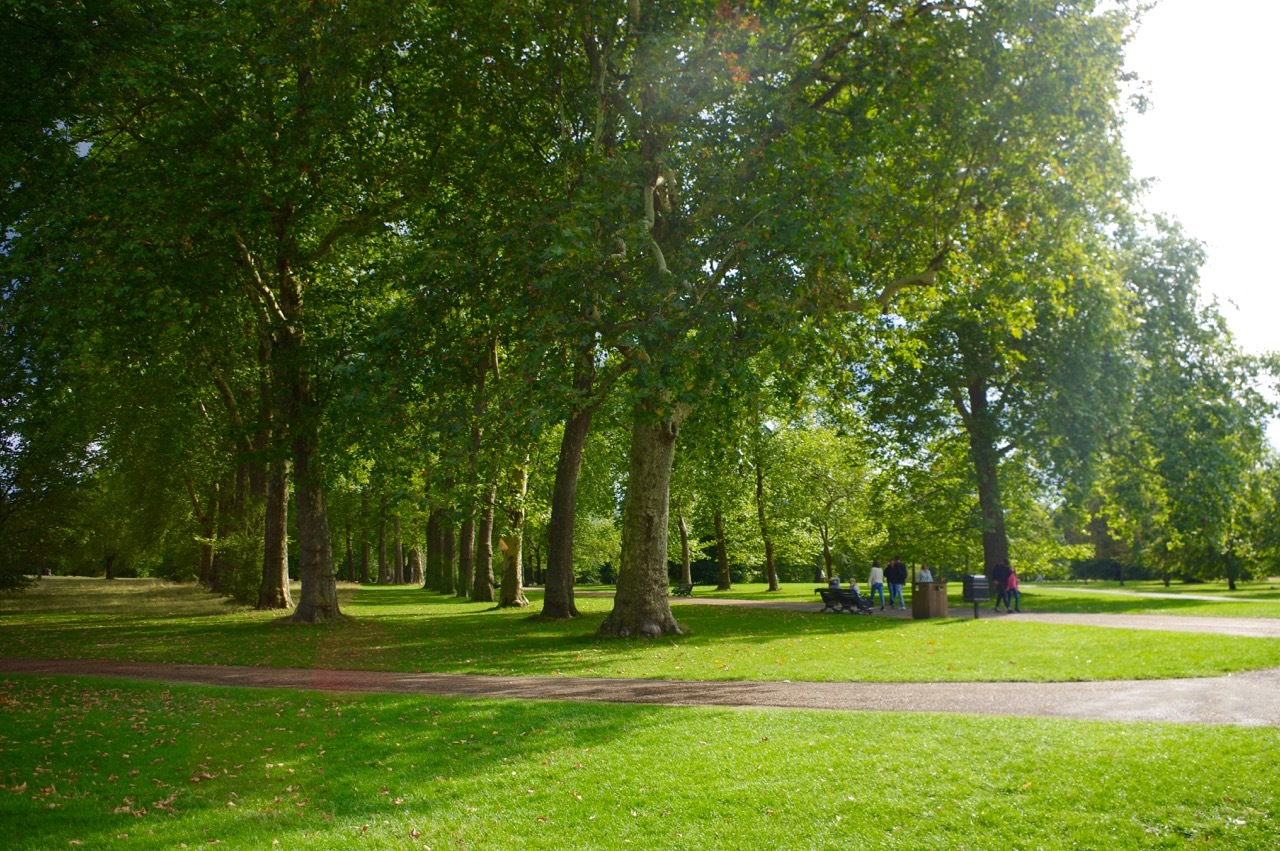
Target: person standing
[[895, 573], [1012, 597], [876, 582], [925, 575]]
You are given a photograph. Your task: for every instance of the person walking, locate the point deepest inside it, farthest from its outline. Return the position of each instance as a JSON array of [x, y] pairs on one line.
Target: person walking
[[1012, 597], [999, 578], [876, 582], [895, 573]]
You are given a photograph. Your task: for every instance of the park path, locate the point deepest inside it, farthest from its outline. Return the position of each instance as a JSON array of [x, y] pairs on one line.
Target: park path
[[1249, 699], [1248, 627]]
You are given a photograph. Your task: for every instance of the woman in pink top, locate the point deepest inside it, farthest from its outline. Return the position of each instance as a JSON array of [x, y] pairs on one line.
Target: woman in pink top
[[1012, 596]]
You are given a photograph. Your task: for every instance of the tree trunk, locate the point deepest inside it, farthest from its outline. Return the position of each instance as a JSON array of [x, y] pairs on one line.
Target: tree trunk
[[557, 601], [351, 558], [415, 565], [686, 563], [274, 591], [109, 565], [641, 606], [827, 561], [447, 544], [434, 573], [384, 571], [318, 601], [986, 463], [482, 581], [512, 592], [466, 556], [770, 569], [722, 554], [364, 537], [399, 551]]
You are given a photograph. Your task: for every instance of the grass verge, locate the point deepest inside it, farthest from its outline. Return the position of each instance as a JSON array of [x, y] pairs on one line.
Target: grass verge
[[100, 764]]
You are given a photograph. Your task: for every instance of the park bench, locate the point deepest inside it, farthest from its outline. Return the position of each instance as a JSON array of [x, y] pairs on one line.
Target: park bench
[[840, 600], [685, 590]]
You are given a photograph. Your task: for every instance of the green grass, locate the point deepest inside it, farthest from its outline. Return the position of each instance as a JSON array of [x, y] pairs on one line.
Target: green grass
[[405, 629], [109, 764]]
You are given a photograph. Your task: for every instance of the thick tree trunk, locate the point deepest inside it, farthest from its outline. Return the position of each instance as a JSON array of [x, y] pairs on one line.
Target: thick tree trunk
[[557, 601], [415, 565], [641, 606], [364, 562], [770, 568], [109, 565], [722, 554], [512, 592], [466, 556], [986, 463], [318, 601], [482, 581], [686, 562], [274, 591]]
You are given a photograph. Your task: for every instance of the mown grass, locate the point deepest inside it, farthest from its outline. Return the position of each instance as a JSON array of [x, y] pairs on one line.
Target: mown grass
[[406, 629], [108, 764]]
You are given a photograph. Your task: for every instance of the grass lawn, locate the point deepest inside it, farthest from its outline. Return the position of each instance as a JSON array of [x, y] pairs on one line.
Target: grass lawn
[[108, 764], [406, 629]]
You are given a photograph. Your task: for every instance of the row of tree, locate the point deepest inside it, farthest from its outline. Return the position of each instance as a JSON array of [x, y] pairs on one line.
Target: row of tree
[[468, 270]]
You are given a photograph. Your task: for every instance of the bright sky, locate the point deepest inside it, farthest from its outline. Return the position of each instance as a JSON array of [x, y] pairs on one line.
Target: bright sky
[[1210, 140]]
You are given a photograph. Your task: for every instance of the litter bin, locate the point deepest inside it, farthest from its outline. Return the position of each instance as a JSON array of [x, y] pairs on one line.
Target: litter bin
[[929, 600], [977, 589]]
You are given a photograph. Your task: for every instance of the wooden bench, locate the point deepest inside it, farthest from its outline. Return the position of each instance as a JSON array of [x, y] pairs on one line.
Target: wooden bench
[[839, 600], [685, 590]]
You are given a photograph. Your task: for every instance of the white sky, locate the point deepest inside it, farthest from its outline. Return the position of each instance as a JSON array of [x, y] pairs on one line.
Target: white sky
[[1210, 140]]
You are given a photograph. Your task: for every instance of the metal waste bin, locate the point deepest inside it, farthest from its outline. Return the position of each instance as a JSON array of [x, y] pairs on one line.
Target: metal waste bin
[[977, 589], [928, 600]]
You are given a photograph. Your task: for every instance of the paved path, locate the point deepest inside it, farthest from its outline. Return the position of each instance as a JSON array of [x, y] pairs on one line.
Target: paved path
[[1250, 627], [1251, 698]]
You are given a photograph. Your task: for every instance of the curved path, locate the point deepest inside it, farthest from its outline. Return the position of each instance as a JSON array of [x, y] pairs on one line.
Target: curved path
[[1251, 698]]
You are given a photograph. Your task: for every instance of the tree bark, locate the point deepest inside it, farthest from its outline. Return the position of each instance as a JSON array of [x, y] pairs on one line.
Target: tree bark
[[364, 562], [512, 591], [482, 581], [641, 606], [557, 601], [722, 554], [986, 463], [274, 591]]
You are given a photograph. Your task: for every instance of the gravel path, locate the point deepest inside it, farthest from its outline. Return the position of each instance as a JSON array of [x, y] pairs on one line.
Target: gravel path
[[1251, 698]]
